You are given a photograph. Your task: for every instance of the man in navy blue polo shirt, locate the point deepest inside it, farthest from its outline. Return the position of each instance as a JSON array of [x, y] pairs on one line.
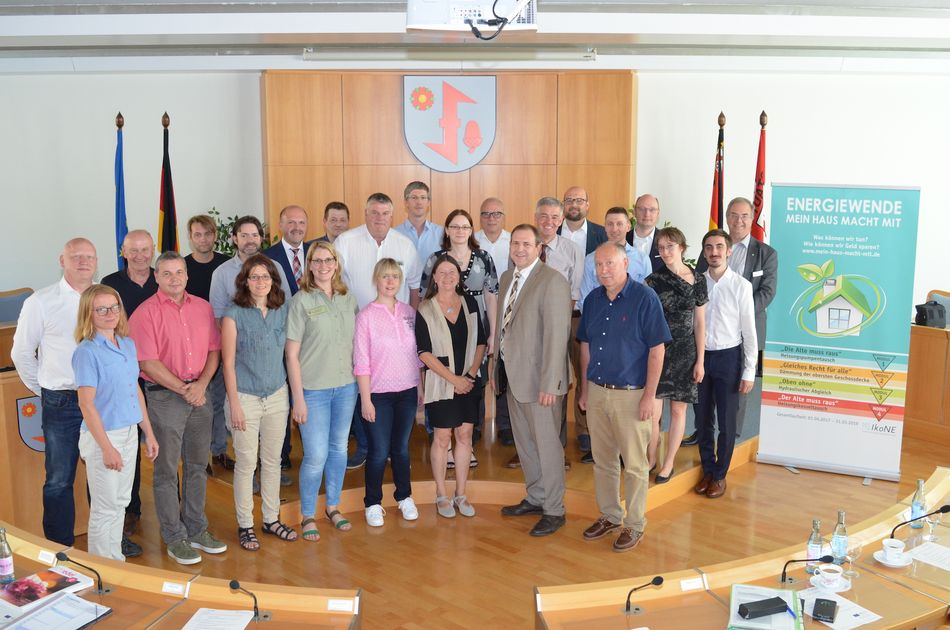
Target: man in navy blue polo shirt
[[622, 334]]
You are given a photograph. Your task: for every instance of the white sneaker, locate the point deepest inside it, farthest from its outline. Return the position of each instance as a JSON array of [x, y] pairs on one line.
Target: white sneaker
[[374, 515], [408, 508]]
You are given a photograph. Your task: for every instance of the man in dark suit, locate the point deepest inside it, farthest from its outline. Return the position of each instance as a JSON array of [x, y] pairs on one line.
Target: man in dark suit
[[336, 221], [291, 252], [646, 210], [587, 234], [756, 262], [534, 323]]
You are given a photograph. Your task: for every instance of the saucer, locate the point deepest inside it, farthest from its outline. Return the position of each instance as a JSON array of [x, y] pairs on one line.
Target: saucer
[[906, 561], [843, 586]]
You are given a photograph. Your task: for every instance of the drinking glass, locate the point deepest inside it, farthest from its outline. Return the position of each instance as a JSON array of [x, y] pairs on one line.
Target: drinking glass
[[932, 521], [854, 552]]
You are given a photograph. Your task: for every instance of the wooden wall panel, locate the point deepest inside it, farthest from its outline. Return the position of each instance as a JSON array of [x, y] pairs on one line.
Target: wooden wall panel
[[596, 118], [606, 185], [363, 181], [519, 188], [303, 123], [526, 127], [310, 187], [449, 191], [372, 120]]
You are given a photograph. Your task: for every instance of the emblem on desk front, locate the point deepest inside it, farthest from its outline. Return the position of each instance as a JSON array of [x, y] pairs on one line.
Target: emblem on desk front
[[449, 121], [30, 422]]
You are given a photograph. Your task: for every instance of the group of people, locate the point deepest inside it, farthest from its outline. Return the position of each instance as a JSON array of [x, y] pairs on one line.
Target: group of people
[[353, 332]]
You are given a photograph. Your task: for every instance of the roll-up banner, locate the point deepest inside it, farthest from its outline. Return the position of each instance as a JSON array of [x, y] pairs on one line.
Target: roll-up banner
[[835, 363]]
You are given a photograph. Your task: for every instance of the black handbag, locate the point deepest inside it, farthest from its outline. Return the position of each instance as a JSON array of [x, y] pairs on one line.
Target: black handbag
[[931, 314]]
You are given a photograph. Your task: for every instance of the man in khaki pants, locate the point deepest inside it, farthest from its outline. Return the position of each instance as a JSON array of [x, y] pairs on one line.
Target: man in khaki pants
[[622, 334]]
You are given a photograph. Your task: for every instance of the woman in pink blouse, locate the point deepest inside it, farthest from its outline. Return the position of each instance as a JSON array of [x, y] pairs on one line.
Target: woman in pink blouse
[[387, 368]]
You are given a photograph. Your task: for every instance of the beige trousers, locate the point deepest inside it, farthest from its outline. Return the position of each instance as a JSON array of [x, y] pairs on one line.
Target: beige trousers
[[266, 423]]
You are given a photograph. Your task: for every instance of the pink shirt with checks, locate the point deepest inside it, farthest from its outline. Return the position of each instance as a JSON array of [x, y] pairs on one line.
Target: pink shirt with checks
[[384, 348]]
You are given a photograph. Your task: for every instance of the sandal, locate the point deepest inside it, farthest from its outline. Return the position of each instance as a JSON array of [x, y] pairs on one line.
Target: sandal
[[248, 539], [310, 533], [339, 521], [280, 530], [445, 507]]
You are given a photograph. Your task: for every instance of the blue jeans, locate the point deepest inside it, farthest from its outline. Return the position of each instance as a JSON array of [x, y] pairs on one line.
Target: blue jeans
[[61, 421], [389, 437], [219, 428], [324, 436], [357, 429]]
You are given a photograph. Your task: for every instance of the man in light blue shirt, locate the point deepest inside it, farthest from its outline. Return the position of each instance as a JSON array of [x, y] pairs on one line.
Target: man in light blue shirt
[[424, 234], [617, 224]]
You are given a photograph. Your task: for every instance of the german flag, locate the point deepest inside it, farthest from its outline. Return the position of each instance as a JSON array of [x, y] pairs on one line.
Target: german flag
[[715, 207], [167, 219]]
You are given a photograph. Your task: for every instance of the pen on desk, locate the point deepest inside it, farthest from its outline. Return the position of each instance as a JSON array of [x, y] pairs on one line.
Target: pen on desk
[[790, 611]]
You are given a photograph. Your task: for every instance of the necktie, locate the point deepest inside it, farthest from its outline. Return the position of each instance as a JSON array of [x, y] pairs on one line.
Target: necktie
[[509, 308], [296, 263]]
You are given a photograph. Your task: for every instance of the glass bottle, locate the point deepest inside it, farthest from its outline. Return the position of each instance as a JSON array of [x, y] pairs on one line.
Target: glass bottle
[[6, 559], [839, 540], [918, 505], [814, 546]]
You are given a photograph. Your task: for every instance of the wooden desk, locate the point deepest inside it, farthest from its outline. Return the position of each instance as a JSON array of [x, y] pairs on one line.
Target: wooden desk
[[927, 410], [141, 595], [22, 470], [6, 343], [903, 600]]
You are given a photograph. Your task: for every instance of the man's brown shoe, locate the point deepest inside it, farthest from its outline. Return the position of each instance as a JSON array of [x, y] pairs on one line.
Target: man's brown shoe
[[627, 540], [514, 462], [703, 485], [716, 489], [600, 528], [130, 525]]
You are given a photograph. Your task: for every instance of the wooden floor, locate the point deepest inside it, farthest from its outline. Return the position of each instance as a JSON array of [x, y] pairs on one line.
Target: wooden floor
[[480, 572]]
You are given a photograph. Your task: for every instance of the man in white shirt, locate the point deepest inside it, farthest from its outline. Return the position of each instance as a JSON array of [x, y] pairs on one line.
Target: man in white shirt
[[291, 252], [729, 364], [586, 234], [424, 235], [646, 210], [362, 247], [42, 352], [493, 237]]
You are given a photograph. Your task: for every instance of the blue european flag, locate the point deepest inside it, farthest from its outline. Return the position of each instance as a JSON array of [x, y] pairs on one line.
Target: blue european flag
[[121, 225]]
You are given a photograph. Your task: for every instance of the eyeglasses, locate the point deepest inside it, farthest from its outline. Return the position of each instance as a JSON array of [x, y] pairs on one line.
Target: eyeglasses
[[572, 200], [493, 215], [324, 261], [259, 277], [418, 198], [460, 228], [102, 311], [646, 209]]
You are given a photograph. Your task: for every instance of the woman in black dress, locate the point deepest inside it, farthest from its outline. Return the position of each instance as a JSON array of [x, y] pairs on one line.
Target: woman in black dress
[[683, 294], [451, 341]]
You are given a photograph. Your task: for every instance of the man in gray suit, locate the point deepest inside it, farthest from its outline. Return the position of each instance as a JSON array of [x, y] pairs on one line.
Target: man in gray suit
[[534, 323], [756, 262]]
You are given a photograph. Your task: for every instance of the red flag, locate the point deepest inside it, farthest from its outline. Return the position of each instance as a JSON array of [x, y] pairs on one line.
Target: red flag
[[715, 207], [758, 199], [167, 220]]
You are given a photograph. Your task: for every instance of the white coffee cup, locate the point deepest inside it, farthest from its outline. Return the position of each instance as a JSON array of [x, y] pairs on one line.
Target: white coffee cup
[[893, 550], [829, 575]]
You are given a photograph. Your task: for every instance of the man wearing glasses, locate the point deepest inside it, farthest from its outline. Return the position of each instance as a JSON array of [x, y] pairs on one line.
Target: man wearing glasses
[[646, 210], [493, 237], [756, 262], [425, 235], [586, 234]]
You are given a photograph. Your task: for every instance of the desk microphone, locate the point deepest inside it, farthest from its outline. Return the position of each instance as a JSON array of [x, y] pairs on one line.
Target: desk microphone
[[657, 581], [942, 510], [823, 560], [101, 590], [258, 615]]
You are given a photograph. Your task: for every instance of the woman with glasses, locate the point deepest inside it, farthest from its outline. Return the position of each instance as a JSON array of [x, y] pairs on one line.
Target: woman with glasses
[[478, 281], [451, 340], [319, 352], [253, 333], [683, 294], [386, 365], [107, 370]]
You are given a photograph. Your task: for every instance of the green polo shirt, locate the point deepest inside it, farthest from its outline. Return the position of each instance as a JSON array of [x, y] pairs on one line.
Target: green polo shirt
[[324, 328]]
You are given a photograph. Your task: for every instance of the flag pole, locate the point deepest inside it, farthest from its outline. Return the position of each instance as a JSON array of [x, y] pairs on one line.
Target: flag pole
[[167, 217], [121, 224], [715, 206], [758, 198]]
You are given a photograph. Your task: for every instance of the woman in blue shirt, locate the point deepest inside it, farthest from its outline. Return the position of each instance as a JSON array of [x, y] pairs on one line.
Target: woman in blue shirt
[[107, 369], [253, 333]]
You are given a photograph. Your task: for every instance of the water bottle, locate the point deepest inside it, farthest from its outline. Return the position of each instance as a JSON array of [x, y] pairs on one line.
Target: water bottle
[[6, 559], [839, 540], [814, 546], [918, 505]]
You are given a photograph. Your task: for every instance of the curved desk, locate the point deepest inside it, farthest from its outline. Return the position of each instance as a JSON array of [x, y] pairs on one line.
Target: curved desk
[[916, 597], [143, 597]]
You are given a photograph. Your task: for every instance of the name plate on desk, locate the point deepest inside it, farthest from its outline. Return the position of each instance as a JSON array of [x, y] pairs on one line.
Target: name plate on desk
[[340, 605]]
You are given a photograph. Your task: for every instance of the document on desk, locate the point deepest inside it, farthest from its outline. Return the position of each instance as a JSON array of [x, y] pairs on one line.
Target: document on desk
[[933, 554], [746, 594], [849, 615], [215, 619], [62, 611]]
